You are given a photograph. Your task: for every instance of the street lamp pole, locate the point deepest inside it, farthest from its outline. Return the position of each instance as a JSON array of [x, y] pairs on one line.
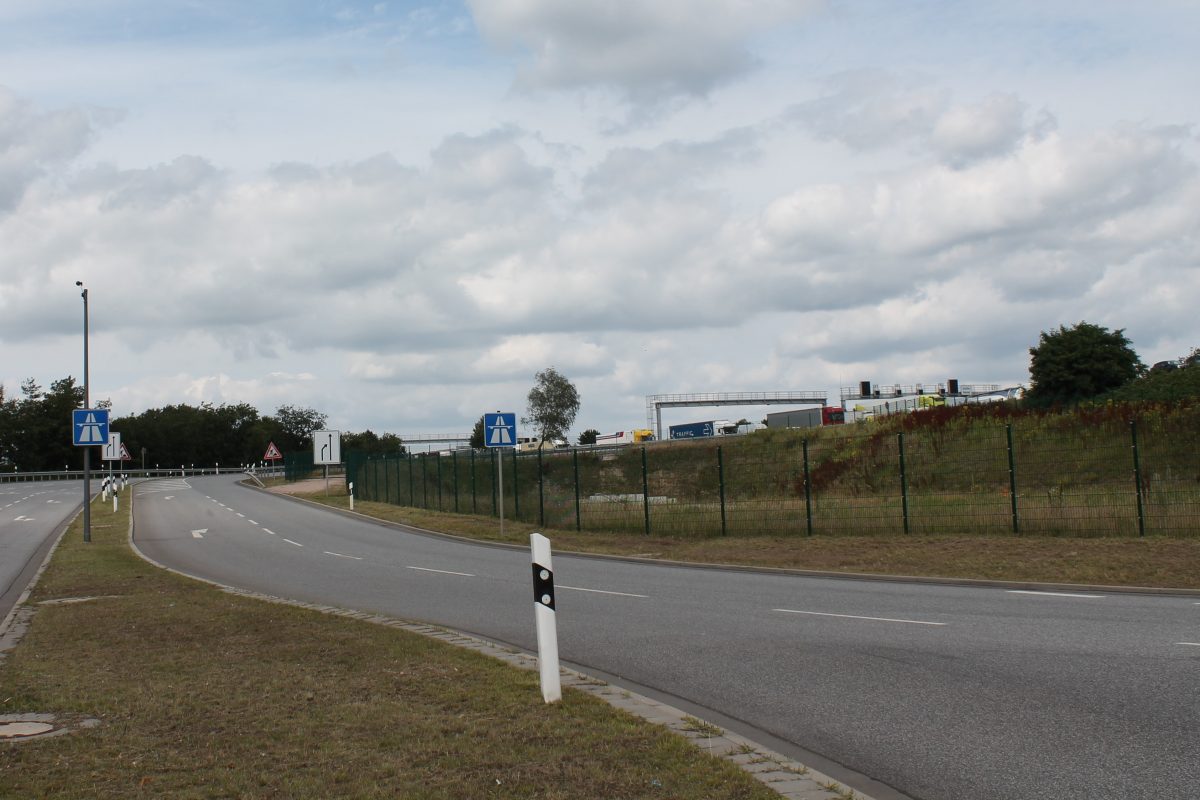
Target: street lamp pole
[[87, 403]]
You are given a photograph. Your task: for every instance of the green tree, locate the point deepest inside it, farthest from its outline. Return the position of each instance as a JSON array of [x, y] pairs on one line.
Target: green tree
[[296, 424], [589, 436], [553, 404], [1077, 363], [477, 435]]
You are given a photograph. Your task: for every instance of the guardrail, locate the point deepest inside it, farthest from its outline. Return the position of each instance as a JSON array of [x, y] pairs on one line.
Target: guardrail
[[98, 473]]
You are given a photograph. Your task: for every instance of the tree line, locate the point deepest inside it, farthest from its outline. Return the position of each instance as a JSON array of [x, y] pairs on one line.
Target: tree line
[[35, 432]]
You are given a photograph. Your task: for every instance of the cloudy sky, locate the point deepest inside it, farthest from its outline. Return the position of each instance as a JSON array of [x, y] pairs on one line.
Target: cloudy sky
[[398, 212]]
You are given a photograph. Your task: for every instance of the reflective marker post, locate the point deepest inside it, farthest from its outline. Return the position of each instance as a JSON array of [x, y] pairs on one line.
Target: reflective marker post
[[544, 614]]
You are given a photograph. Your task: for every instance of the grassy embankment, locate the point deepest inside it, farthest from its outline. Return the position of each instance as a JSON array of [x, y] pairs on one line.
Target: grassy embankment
[[201, 693], [1077, 497]]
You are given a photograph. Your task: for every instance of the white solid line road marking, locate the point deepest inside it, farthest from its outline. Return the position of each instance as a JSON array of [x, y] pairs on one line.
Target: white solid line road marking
[[852, 616], [602, 591], [443, 571], [1057, 594], [268, 530], [1189, 644], [289, 541], [340, 555]]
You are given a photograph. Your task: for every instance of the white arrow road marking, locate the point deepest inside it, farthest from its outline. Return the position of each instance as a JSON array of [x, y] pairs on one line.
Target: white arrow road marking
[[443, 571], [199, 534], [602, 591], [289, 541], [24, 518], [852, 616], [1057, 594], [169, 497], [340, 555]]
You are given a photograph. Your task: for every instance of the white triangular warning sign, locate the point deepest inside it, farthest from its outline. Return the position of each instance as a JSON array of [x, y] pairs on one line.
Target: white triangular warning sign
[[273, 453]]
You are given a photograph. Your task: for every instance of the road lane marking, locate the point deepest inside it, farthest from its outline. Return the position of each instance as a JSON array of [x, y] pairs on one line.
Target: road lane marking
[[252, 522], [1057, 594], [289, 541], [602, 591], [443, 571], [853, 616], [240, 514], [268, 530], [1189, 644], [199, 534], [341, 555]]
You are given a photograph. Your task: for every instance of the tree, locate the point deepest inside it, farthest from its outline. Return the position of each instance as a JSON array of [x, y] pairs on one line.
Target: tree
[[1076, 363], [296, 425], [589, 436], [477, 435], [553, 404]]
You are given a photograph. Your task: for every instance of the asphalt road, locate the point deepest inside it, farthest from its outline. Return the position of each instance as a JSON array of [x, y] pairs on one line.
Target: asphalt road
[[31, 515], [937, 692]]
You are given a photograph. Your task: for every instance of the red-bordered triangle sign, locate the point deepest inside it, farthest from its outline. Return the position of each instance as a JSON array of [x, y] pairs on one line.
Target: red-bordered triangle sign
[[125, 453], [273, 453]]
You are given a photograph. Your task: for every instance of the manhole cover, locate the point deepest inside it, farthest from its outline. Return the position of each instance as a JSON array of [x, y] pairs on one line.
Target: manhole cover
[[16, 730]]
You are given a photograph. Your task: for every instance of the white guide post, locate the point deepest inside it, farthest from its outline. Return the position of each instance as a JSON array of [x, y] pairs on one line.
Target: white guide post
[[351, 488], [547, 631]]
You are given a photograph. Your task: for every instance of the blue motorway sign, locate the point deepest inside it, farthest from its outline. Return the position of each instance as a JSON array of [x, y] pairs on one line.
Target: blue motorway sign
[[89, 426], [500, 429]]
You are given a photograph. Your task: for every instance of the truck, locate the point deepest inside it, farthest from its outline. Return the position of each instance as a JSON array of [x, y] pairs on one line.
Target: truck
[[700, 430], [807, 417], [634, 436]]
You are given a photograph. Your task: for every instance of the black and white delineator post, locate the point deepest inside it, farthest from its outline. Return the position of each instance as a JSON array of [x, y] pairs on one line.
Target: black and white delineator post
[[350, 486], [547, 632]]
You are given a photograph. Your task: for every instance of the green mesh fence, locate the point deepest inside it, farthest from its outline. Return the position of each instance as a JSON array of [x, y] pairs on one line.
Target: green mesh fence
[[1031, 476]]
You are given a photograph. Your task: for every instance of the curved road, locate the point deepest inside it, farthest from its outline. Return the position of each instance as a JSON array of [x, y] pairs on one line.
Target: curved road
[[31, 516], [935, 692]]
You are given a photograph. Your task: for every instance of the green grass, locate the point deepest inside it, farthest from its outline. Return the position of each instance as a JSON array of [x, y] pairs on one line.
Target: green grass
[[202, 693]]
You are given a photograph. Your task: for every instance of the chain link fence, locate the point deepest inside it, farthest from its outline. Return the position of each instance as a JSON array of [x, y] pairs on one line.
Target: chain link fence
[[1031, 476]]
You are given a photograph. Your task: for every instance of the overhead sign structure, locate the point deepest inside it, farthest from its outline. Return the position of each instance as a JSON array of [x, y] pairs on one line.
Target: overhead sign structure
[[113, 449], [327, 447], [272, 453], [89, 426], [500, 429]]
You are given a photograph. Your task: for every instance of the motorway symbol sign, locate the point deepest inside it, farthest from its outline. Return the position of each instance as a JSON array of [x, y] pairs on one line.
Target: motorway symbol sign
[[500, 429], [327, 447], [273, 453], [112, 450], [89, 426]]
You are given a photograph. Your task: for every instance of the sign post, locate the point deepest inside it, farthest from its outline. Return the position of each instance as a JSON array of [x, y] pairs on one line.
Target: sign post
[[89, 427], [500, 430], [327, 449]]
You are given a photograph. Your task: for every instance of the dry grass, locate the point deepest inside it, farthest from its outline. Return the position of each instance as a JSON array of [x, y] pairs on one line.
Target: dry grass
[[1149, 562], [207, 694]]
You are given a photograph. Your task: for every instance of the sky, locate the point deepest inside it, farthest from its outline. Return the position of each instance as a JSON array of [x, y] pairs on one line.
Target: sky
[[397, 213]]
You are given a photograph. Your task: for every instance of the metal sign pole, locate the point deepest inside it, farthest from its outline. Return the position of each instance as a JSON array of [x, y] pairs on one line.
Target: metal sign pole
[[500, 485]]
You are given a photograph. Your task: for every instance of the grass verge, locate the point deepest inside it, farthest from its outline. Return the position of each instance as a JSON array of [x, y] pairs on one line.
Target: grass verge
[[1148, 562], [201, 693]]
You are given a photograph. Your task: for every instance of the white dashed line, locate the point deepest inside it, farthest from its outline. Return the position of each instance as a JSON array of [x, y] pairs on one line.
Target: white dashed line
[[1057, 594], [268, 530], [341, 555], [289, 541], [252, 522], [240, 514], [443, 571], [602, 591], [852, 616]]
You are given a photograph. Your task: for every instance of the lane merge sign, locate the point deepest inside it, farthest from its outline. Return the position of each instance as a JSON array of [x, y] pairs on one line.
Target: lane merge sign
[[500, 429], [114, 449], [89, 426], [327, 447]]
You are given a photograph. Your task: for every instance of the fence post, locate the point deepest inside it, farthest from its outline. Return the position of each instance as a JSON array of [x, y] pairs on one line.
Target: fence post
[[454, 467], [473, 510], [376, 477], [645, 491], [575, 461], [541, 490], [425, 480], [1012, 479], [903, 480], [807, 491], [516, 496], [412, 496], [439, 463], [1137, 478], [721, 486], [387, 486]]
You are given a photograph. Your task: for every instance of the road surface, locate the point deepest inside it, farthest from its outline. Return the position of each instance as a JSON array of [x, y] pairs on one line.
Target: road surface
[[933, 692], [31, 515]]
